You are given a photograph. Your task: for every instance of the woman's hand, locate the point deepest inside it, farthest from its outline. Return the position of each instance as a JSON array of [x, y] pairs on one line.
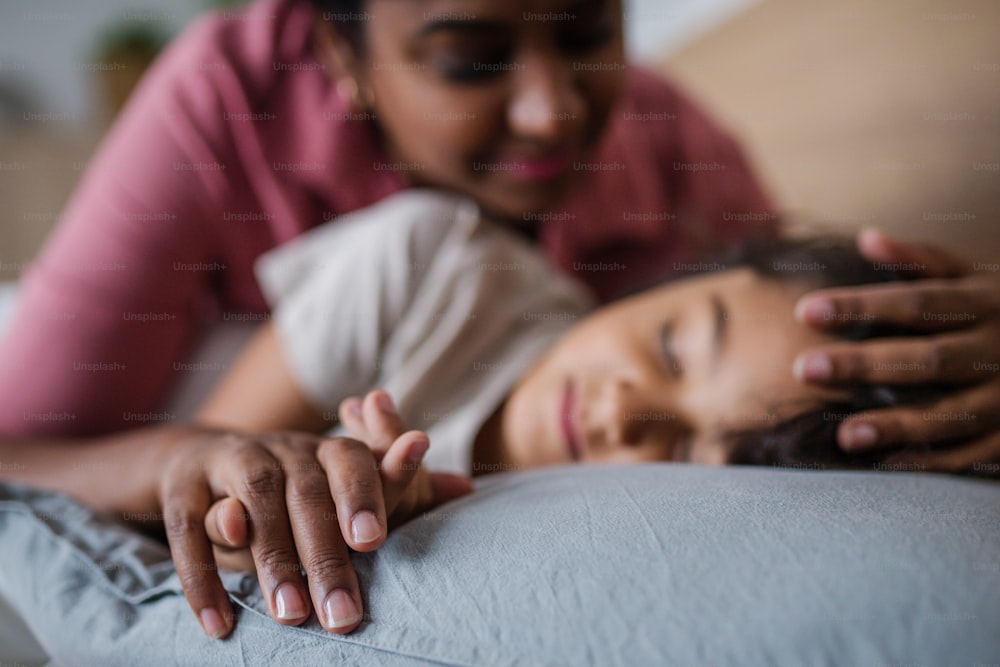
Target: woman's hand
[[306, 499], [375, 422], [960, 309], [406, 490]]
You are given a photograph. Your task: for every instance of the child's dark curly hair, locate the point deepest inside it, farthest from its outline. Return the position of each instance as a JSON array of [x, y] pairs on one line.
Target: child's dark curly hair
[[808, 439]]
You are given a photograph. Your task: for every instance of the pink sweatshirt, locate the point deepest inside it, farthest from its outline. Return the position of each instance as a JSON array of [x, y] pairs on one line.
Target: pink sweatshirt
[[236, 141]]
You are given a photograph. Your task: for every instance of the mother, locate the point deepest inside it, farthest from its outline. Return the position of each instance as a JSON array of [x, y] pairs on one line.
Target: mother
[[255, 127]]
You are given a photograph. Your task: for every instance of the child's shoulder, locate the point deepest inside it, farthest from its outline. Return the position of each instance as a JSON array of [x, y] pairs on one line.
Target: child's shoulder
[[394, 242]]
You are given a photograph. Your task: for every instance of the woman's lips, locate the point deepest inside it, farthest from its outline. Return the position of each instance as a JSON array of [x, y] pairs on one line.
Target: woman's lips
[[568, 422], [544, 168]]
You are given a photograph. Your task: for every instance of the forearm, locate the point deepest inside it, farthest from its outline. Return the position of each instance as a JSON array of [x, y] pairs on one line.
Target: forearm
[[116, 474]]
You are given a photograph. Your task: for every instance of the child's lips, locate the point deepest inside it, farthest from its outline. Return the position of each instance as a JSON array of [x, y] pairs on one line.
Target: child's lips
[[569, 422]]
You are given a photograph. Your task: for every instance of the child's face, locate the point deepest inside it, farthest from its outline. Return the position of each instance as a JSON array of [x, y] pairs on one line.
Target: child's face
[[656, 377], [495, 100]]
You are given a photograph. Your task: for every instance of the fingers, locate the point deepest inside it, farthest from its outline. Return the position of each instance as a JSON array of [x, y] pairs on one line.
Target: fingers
[[226, 524], [184, 506], [382, 421], [353, 477], [288, 491], [927, 260], [257, 480], [376, 421], [373, 420], [235, 560], [400, 467], [322, 545], [352, 419], [954, 358], [227, 528], [925, 305], [447, 487], [962, 415]]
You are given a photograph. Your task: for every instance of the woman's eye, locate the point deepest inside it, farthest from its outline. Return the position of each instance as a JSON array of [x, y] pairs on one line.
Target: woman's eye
[[587, 39], [473, 69], [669, 351], [593, 25]]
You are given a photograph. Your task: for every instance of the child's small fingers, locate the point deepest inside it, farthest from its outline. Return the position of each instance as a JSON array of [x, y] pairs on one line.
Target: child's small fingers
[[226, 524], [352, 417], [237, 560], [382, 421], [401, 464]]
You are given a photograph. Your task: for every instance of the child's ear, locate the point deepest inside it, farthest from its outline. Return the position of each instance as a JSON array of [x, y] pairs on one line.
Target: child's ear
[[338, 56]]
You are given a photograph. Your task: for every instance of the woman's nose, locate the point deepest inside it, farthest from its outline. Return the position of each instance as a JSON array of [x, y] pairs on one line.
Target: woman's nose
[[546, 106]]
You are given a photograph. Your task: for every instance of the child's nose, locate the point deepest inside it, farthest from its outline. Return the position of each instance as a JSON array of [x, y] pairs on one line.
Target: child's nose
[[634, 415]]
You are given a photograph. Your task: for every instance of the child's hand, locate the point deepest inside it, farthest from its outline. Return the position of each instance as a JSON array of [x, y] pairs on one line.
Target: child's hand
[[375, 422]]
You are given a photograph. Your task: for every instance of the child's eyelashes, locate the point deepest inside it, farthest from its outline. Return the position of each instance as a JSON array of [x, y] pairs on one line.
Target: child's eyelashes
[[682, 448], [669, 349]]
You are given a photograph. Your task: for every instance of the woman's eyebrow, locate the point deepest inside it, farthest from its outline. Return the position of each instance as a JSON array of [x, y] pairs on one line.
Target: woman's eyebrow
[[475, 26], [719, 329]]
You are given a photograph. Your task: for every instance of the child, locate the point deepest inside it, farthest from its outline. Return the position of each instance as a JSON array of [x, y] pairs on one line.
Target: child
[[490, 354]]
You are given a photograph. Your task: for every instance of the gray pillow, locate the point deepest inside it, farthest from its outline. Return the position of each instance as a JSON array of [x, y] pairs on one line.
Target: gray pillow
[[656, 564]]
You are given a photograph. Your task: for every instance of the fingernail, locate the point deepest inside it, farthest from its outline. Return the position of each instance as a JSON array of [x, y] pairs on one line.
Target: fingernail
[[385, 402], [872, 235], [289, 603], [417, 450], [858, 436], [340, 610], [212, 622], [813, 368], [814, 311], [365, 527], [354, 408], [220, 525]]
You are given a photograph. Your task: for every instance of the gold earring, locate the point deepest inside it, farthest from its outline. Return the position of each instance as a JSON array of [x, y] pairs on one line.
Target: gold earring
[[347, 90], [360, 100]]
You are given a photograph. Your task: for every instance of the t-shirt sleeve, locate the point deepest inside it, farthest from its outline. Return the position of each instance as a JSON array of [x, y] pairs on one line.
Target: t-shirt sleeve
[[338, 291], [108, 306]]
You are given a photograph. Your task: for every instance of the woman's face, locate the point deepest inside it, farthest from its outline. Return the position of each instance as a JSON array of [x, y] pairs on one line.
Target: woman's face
[[658, 376], [495, 100]]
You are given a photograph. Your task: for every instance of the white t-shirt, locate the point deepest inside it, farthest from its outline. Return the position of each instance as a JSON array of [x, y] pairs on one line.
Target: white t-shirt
[[421, 296]]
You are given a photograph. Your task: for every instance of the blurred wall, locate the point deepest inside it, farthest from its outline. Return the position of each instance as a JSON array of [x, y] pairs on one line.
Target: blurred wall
[[53, 104], [46, 47], [865, 113]]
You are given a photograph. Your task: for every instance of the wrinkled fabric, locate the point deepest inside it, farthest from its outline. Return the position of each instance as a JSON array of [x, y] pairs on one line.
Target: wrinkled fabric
[[660, 564], [422, 297]]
